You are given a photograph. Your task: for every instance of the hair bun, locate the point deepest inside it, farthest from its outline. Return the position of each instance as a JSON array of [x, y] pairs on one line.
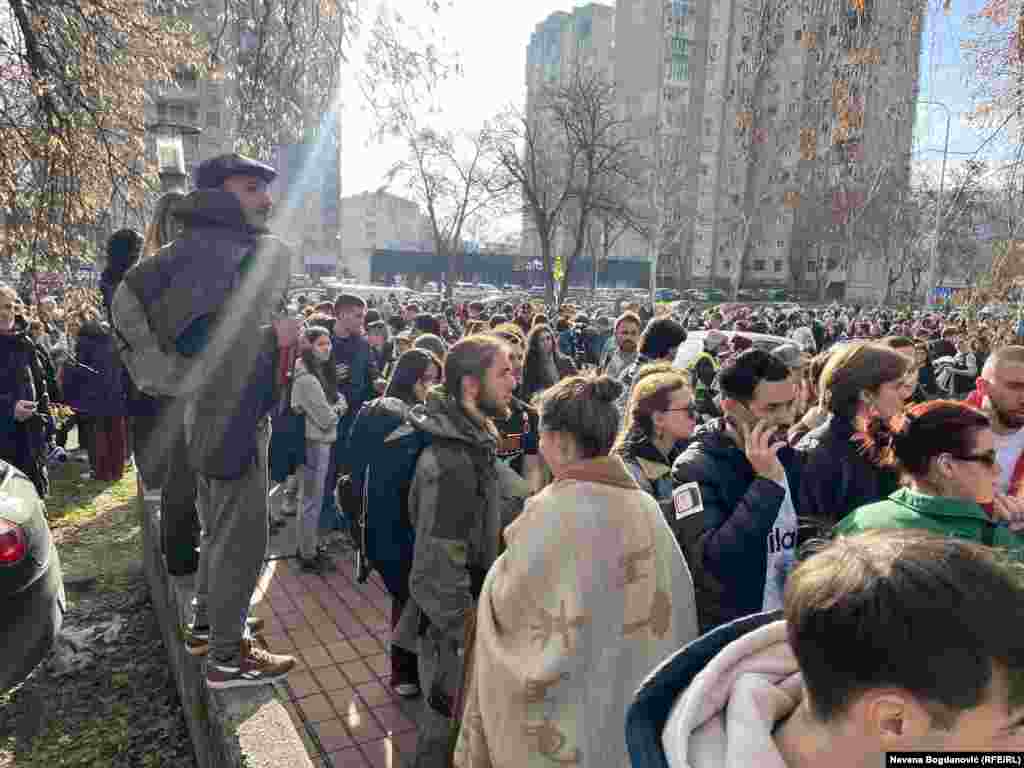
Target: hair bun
[[605, 389]]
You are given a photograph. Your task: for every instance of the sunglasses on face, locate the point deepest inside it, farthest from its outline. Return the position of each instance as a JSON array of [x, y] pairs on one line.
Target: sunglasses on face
[[690, 408], [989, 458]]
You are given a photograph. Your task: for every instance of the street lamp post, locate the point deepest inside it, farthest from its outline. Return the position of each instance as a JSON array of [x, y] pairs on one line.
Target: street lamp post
[[170, 154], [933, 266]]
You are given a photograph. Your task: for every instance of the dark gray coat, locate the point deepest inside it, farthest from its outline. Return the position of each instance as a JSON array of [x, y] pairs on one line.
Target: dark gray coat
[[211, 296]]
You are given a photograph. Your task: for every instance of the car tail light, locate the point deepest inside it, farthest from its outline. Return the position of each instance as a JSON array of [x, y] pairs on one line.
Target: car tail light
[[13, 544]]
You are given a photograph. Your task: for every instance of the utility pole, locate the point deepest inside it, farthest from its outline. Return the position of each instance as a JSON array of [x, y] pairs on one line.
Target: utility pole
[[654, 241], [933, 266]]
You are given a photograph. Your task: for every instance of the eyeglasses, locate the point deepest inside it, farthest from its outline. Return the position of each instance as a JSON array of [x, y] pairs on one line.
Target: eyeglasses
[[691, 410], [989, 458]]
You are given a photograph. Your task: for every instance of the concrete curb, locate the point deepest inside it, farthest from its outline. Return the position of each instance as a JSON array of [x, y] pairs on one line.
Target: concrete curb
[[244, 728]]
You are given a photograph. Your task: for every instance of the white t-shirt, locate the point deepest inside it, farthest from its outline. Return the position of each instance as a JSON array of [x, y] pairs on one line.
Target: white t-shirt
[[781, 546], [1008, 451]]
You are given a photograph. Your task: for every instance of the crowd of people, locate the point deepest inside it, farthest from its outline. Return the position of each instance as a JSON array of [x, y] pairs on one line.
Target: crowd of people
[[792, 546]]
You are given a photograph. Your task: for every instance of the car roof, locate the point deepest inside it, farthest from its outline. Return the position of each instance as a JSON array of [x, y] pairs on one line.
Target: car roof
[[690, 348]]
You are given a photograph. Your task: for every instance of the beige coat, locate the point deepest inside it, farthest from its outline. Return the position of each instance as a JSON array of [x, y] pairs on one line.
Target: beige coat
[[590, 595]]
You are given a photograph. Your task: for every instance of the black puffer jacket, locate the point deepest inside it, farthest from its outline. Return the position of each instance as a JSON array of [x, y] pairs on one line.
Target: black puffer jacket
[[837, 478], [740, 510]]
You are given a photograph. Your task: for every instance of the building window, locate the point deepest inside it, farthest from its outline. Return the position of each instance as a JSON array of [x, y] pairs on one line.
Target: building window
[[709, 126], [780, 244], [680, 9], [797, 34], [760, 265], [213, 119], [680, 46], [812, 265], [777, 265], [680, 68]]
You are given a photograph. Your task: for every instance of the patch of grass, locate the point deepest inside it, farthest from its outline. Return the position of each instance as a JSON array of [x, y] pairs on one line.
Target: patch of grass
[[73, 501], [96, 527]]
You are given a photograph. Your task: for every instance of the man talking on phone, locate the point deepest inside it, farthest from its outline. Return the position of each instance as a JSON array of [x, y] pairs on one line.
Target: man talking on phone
[[746, 478]]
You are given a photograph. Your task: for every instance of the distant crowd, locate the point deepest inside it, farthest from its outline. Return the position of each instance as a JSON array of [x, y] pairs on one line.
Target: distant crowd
[[742, 535]]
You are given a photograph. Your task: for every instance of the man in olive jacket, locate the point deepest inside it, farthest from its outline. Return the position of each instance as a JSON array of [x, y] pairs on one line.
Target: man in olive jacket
[[455, 506]]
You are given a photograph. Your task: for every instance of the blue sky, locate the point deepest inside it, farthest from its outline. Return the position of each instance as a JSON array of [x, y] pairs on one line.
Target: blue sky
[[491, 39], [945, 77]]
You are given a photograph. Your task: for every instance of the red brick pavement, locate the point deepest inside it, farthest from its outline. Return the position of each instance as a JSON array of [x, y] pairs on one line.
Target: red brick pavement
[[338, 631]]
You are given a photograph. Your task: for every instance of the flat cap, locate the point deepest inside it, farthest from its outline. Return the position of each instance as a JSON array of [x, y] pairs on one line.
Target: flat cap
[[212, 172]]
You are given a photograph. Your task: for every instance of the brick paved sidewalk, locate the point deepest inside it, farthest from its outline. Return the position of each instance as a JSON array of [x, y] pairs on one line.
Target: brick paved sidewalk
[[338, 630]]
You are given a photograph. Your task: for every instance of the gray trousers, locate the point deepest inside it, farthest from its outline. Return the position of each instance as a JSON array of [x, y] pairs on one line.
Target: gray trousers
[[312, 478], [233, 514], [436, 728]]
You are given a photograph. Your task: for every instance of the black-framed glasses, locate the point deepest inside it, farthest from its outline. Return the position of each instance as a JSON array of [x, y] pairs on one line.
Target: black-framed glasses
[[690, 408], [989, 458]]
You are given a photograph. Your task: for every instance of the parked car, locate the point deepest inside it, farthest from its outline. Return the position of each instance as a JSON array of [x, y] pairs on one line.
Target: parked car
[[32, 599], [694, 343]]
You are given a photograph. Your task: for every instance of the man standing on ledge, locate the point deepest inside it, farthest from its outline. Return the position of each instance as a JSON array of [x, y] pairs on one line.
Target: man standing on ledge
[[216, 296]]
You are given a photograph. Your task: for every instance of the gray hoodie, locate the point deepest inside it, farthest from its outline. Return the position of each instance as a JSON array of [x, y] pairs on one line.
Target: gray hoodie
[[308, 398]]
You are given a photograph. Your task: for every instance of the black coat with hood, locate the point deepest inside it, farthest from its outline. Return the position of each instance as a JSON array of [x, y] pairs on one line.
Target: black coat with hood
[[740, 510], [837, 477], [94, 383], [22, 377], [211, 296]]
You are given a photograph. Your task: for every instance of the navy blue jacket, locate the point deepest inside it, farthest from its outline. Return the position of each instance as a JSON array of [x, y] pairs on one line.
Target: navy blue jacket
[[97, 390], [647, 715], [355, 352], [740, 510], [384, 440]]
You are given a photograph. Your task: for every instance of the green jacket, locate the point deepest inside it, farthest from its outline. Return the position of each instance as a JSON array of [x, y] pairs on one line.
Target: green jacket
[[954, 517]]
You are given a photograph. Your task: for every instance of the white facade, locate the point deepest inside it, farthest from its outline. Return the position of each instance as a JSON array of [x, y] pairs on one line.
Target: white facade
[[377, 220]]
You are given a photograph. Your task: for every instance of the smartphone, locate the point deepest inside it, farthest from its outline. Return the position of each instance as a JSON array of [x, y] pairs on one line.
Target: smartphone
[[744, 416], [740, 417]]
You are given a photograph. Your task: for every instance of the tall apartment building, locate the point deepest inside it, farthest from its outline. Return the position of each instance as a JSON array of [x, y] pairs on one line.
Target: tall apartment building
[[374, 220], [789, 109], [561, 45], [195, 102]]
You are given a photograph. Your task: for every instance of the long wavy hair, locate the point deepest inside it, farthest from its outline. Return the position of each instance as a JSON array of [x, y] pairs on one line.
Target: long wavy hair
[[325, 372], [533, 367]]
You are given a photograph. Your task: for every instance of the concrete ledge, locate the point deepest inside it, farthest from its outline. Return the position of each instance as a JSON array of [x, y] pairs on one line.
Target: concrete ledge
[[248, 727]]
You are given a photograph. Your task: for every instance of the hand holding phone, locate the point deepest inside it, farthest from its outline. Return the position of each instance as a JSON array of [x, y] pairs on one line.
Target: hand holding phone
[[758, 440], [24, 410], [763, 452]]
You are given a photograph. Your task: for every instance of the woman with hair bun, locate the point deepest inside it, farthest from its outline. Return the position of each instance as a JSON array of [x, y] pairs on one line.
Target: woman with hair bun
[[946, 451], [590, 594]]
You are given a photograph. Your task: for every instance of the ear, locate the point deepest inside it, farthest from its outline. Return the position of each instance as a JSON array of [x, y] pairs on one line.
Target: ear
[[893, 719]]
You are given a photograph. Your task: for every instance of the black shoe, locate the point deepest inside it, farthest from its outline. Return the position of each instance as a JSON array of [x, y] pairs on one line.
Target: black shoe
[[318, 564]]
